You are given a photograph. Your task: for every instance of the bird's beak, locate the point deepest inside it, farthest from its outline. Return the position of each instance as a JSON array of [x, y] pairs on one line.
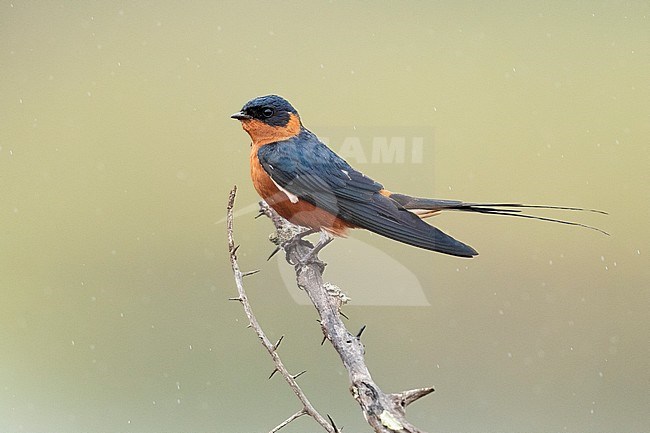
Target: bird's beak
[[240, 115]]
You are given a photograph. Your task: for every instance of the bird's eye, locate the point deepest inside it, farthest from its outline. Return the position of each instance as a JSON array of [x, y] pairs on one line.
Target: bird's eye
[[267, 112]]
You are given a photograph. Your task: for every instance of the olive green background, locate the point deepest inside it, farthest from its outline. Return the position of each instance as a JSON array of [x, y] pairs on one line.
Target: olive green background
[[117, 154]]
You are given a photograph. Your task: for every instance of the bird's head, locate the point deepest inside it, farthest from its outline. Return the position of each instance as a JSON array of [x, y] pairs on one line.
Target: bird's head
[[268, 119]]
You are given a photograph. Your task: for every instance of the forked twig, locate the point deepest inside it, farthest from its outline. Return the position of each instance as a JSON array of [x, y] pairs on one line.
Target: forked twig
[[384, 412]]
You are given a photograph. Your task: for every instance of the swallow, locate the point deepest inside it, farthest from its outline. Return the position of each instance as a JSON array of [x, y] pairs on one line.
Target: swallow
[[308, 184]]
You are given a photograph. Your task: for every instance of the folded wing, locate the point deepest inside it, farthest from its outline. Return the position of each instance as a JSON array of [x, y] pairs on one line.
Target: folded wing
[[310, 170]]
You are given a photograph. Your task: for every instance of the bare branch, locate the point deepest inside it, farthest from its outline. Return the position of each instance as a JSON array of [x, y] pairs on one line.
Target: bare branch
[[277, 343], [384, 412], [407, 397], [288, 420], [308, 408]]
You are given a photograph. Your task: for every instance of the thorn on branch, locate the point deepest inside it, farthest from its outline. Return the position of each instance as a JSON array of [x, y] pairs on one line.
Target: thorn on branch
[[363, 328], [246, 274], [336, 429], [234, 250], [407, 397], [238, 298], [275, 370], [275, 251], [296, 376], [277, 344]]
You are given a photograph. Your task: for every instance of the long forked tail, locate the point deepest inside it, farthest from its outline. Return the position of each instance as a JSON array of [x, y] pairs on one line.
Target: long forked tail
[[426, 207]]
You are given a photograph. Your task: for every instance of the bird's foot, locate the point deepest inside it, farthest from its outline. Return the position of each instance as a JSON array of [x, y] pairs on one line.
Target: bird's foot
[[288, 240], [287, 237], [312, 256]]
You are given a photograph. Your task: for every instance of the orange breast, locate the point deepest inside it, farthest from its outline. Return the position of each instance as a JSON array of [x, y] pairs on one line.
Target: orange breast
[[301, 212]]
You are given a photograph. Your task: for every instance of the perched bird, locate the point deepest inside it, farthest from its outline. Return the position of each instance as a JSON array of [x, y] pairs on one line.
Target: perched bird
[[305, 182]]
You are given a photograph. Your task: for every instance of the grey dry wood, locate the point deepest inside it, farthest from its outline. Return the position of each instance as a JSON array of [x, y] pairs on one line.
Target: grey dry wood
[[384, 412]]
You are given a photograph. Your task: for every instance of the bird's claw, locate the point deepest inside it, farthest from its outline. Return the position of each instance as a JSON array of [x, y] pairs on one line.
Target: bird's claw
[[308, 260], [291, 245], [311, 258]]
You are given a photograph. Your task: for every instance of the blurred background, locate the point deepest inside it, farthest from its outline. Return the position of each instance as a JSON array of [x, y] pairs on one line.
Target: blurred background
[[117, 154]]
